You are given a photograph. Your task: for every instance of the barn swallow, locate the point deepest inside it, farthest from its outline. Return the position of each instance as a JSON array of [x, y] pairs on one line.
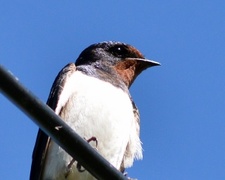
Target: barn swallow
[[92, 97]]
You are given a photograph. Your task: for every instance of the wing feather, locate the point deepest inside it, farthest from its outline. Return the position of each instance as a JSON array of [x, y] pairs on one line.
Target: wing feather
[[134, 146], [55, 102]]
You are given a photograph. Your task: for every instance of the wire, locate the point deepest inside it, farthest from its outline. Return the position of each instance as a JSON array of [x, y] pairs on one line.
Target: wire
[[56, 128]]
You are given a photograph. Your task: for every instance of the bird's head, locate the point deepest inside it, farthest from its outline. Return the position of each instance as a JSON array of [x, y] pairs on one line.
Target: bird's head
[[119, 57]]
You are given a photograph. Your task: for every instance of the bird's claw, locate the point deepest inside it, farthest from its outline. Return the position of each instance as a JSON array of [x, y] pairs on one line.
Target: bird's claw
[[93, 139], [79, 167]]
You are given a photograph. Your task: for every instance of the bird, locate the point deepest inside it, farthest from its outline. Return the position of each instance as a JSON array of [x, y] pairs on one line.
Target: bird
[[92, 96]]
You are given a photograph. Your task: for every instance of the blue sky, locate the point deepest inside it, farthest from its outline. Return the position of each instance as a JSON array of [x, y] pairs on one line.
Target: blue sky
[[181, 103]]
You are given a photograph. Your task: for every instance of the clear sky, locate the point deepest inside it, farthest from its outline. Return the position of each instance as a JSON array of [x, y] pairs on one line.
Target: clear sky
[[182, 103]]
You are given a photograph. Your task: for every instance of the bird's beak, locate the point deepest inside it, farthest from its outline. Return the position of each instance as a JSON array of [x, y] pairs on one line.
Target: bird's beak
[[147, 62], [130, 68]]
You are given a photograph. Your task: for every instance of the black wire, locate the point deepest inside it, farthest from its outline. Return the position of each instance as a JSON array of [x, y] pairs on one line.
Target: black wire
[[57, 129]]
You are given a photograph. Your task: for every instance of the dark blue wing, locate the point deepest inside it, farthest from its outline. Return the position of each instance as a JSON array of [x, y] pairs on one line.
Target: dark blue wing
[[42, 141]]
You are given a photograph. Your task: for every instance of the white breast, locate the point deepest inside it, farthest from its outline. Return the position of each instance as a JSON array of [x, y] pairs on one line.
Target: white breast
[[93, 108]]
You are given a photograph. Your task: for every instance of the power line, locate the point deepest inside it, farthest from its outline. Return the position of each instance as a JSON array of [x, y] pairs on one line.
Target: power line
[[56, 128]]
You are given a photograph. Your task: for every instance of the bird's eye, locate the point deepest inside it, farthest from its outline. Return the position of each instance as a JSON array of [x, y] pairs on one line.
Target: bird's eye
[[119, 51]]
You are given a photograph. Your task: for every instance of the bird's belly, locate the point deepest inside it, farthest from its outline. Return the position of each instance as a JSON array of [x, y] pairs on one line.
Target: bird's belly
[[102, 111]]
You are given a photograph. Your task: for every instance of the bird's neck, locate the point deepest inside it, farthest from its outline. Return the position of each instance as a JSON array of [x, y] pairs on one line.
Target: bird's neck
[[106, 74]]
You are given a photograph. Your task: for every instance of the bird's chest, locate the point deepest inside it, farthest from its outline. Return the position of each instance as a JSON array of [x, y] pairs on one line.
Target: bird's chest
[[97, 109]]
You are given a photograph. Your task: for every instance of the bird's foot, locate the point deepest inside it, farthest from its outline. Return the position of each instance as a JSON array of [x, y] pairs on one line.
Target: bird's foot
[[93, 139], [69, 167], [79, 167]]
